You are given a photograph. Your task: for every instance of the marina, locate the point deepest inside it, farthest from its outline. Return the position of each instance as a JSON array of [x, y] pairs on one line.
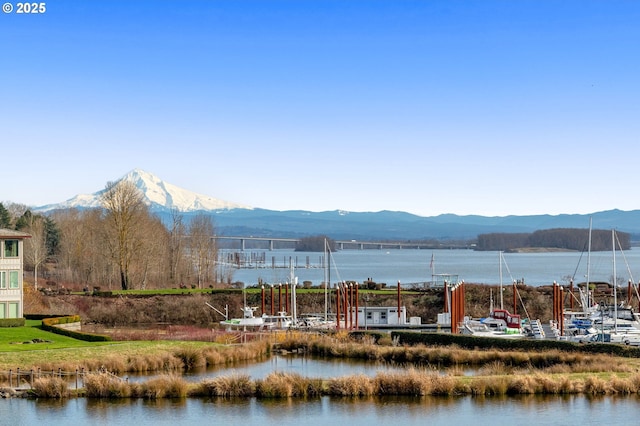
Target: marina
[[565, 266]]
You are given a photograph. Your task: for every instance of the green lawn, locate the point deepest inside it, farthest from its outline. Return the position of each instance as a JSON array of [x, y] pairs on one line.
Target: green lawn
[[21, 339], [55, 348]]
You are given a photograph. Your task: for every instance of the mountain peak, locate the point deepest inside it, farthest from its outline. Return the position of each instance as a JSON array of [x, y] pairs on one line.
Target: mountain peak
[[158, 195]]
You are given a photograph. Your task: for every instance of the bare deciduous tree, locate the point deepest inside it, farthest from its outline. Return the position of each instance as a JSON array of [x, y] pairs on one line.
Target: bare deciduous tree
[[125, 208], [202, 248], [150, 260], [35, 250], [177, 233], [82, 258]]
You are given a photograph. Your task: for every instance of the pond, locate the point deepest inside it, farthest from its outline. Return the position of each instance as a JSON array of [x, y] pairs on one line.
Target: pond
[[304, 365]]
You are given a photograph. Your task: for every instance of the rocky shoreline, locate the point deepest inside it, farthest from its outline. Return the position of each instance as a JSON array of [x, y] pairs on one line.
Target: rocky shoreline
[[6, 393]]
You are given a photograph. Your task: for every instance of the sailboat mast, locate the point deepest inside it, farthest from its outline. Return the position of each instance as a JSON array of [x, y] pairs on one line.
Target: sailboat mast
[[294, 282], [615, 289], [432, 266], [589, 263], [501, 304], [326, 282]]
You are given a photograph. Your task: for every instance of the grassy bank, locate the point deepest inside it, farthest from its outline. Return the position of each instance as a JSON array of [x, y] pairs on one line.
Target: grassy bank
[[413, 382], [31, 348], [434, 370]]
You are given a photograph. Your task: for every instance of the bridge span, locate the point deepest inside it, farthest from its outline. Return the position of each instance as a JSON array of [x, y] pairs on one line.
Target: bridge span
[[342, 244]]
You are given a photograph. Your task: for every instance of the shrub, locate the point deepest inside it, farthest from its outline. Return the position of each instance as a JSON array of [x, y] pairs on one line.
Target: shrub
[[170, 386], [284, 385], [191, 358], [228, 386], [12, 322], [595, 385], [411, 382], [358, 385], [105, 385], [50, 387]]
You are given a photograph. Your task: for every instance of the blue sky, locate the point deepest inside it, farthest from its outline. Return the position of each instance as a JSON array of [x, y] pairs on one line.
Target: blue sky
[[468, 107]]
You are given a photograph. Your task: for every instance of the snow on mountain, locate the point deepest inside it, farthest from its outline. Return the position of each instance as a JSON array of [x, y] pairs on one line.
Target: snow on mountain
[[157, 195]]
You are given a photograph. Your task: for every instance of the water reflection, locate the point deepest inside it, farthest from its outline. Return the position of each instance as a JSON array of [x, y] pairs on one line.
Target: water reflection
[[304, 365], [527, 409], [312, 411]]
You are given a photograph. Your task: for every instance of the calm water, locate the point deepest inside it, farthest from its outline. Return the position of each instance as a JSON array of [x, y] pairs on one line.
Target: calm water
[[529, 410], [410, 266], [306, 366]]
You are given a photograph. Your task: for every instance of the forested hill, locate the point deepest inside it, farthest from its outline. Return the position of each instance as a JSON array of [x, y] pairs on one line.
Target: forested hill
[[559, 238]]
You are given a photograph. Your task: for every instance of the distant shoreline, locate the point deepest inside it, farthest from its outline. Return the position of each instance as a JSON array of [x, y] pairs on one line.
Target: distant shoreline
[[538, 250]]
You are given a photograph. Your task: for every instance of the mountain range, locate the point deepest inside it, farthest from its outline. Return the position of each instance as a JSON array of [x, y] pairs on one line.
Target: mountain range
[[241, 220]]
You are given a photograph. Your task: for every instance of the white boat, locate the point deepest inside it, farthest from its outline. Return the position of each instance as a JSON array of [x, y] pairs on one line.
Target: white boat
[[609, 324], [499, 323], [632, 339], [248, 320], [317, 322], [281, 321]]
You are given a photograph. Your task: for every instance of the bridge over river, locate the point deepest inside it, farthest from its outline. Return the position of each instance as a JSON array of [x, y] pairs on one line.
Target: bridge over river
[[272, 243]]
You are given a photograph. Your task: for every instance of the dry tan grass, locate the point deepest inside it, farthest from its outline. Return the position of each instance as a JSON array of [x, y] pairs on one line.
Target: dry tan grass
[[497, 372], [169, 386], [50, 387], [191, 358], [155, 362], [444, 357], [595, 385], [236, 385], [411, 382], [358, 385], [285, 385], [495, 368], [105, 385]]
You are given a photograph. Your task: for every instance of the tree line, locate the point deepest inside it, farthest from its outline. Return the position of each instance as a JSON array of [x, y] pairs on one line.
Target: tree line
[[120, 245], [558, 238], [315, 243]]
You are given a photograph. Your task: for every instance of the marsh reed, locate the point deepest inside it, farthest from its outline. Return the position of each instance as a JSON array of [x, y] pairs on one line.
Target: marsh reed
[[430, 371], [282, 385], [491, 361], [176, 360]]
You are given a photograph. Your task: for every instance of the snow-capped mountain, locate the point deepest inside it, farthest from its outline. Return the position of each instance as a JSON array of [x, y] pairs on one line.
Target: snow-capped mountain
[[237, 219], [158, 195]]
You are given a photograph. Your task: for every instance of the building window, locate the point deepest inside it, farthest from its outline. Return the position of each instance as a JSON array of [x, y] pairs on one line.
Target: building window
[[10, 248], [383, 315], [3, 281], [3, 310], [13, 309], [13, 279], [369, 315]]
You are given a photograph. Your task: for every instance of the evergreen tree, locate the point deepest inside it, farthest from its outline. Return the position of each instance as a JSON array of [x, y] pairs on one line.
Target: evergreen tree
[[24, 220], [5, 217], [52, 236]]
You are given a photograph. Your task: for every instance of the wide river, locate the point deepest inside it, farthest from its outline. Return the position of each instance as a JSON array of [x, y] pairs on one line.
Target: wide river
[[414, 266]]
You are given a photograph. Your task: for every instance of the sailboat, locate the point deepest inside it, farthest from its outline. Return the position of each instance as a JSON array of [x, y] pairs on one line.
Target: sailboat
[[323, 321], [579, 324], [616, 323], [500, 322], [249, 321]]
